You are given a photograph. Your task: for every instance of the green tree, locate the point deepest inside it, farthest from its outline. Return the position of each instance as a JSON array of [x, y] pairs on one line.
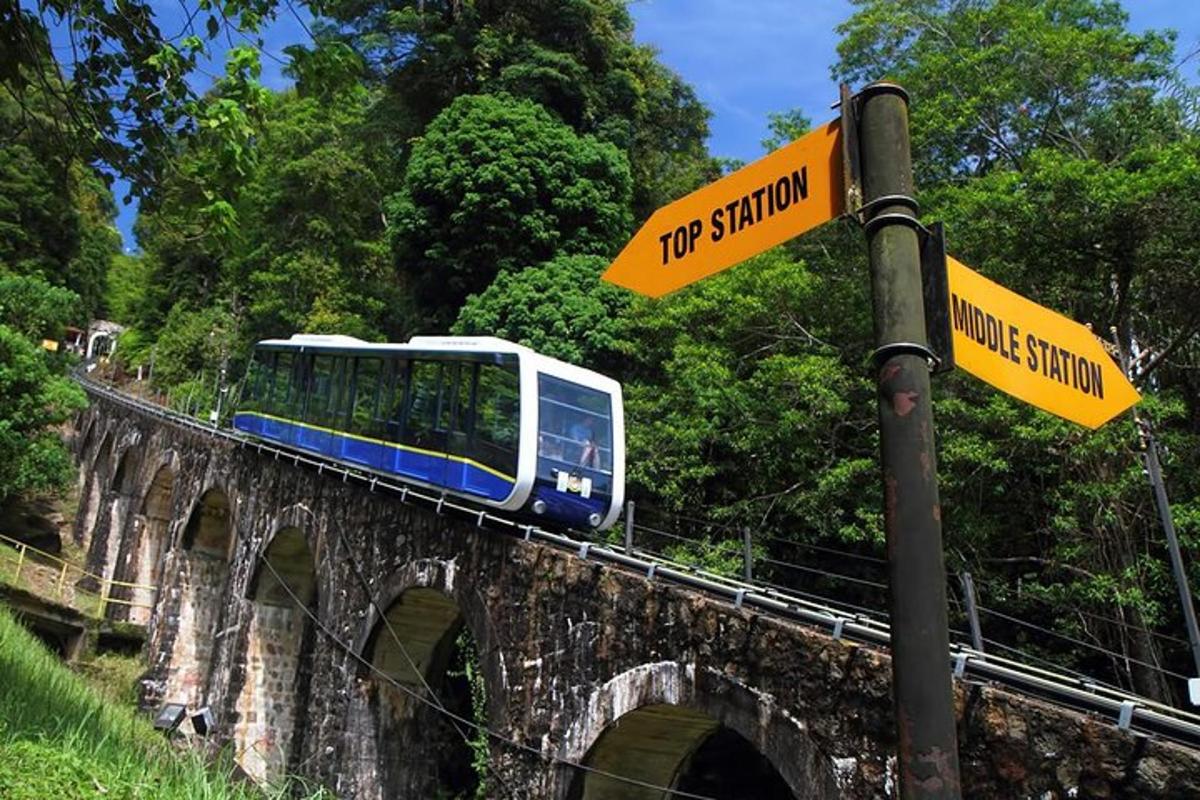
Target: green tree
[[127, 287], [193, 345], [559, 308], [576, 58], [35, 309], [496, 183], [741, 405], [56, 217], [127, 84], [993, 81], [314, 256], [34, 395], [32, 400], [785, 127]]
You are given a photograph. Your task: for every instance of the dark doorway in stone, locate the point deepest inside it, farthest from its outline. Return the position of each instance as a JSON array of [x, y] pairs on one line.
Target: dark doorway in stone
[[429, 658], [673, 747]]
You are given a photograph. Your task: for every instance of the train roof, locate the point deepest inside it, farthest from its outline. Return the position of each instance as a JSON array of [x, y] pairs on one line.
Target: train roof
[[475, 348], [339, 342]]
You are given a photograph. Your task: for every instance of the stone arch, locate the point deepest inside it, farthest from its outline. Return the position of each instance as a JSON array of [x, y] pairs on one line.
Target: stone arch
[[124, 473], [277, 656], [428, 629], [104, 453], [209, 529], [91, 493], [87, 425], [150, 533], [116, 486], [200, 573], [675, 726]]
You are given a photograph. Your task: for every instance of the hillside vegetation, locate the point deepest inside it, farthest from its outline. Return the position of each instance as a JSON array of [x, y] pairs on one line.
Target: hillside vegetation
[[59, 739]]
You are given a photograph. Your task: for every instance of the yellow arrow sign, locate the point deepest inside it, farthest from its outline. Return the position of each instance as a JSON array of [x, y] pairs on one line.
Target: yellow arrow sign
[[1033, 353], [792, 190]]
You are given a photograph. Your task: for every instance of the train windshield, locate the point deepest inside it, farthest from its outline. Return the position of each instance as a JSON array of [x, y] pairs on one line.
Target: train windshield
[[575, 432]]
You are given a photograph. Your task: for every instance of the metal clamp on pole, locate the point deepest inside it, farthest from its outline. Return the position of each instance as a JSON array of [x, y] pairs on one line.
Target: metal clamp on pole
[[895, 218], [889, 200], [881, 354]]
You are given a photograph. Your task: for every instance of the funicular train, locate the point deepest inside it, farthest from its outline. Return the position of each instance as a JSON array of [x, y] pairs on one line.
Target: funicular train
[[481, 418]]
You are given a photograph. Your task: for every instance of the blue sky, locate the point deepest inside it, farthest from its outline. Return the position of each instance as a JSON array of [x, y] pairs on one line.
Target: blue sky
[[745, 60]]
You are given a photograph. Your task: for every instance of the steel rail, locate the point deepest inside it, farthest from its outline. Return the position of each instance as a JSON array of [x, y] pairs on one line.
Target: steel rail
[[1125, 710]]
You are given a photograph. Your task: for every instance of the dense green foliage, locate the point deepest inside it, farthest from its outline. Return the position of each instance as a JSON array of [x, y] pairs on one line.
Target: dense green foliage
[[55, 215], [558, 308], [496, 183], [34, 395], [32, 398], [473, 166], [575, 58], [56, 242]]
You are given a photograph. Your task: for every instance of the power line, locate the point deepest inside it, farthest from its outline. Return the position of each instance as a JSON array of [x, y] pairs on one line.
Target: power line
[[1080, 642], [834, 575], [348, 650]]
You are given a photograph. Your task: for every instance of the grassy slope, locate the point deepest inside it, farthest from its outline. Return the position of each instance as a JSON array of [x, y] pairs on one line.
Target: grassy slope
[[61, 741]]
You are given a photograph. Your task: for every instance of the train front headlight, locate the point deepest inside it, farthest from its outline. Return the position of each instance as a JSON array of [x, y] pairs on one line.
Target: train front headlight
[[594, 519], [539, 506]]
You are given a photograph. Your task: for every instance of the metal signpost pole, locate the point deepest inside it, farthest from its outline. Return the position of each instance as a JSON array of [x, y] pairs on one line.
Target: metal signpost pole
[[927, 740]]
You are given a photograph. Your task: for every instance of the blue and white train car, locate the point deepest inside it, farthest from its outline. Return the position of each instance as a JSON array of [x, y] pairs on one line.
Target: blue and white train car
[[477, 417]]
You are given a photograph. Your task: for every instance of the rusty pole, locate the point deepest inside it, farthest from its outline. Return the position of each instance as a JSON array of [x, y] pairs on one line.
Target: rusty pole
[[924, 701]]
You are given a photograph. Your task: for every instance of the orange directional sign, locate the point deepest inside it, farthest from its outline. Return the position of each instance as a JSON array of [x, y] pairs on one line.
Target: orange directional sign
[[793, 190], [1033, 353]]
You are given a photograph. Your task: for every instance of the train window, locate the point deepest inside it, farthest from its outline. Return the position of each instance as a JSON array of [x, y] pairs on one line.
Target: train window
[[301, 366], [447, 392], [395, 402], [366, 388], [282, 384], [320, 387], [422, 414], [497, 417], [574, 425], [383, 397], [257, 387], [465, 398], [337, 409]]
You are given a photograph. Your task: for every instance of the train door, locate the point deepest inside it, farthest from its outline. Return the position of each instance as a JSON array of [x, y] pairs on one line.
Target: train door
[[314, 434], [462, 377], [423, 433], [287, 394], [368, 385]]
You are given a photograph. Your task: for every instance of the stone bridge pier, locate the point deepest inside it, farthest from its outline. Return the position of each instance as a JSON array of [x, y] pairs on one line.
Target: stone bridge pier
[[385, 651]]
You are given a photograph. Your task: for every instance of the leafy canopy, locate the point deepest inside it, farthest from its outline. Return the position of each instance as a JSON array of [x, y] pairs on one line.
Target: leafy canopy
[[495, 183]]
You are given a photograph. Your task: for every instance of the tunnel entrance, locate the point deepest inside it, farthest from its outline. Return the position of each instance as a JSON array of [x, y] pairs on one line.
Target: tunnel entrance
[[666, 747], [426, 652]]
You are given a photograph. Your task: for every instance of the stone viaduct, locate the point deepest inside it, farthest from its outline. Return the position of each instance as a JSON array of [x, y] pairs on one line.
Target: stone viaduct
[[343, 635]]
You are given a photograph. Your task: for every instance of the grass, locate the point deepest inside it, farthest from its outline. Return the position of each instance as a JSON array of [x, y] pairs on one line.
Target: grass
[[113, 676], [59, 739]]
